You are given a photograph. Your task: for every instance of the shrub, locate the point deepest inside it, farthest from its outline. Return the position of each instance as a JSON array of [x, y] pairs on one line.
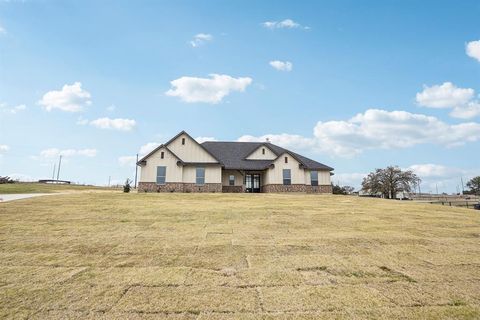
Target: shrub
[[127, 186]]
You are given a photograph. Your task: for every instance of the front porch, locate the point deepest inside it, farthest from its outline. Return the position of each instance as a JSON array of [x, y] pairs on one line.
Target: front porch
[[238, 181]]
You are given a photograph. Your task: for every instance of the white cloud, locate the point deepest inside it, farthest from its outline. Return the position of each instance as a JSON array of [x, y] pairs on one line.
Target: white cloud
[[127, 161], [284, 24], [111, 108], [12, 110], [71, 98], [4, 148], [208, 90], [377, 129], [203, 139], [144, 150], [281, 65], [55, 152], [473, 49], [115, 124], [446, 95], [467, 111], [430, 170], [2, 30], [200, 39], [147, 148]]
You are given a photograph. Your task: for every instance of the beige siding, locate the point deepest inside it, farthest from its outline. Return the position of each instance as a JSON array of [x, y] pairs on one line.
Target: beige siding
[[213, 174], [191, 151], [323, 177], [148, 172], [258, 154], [238, 177], [275, 175]]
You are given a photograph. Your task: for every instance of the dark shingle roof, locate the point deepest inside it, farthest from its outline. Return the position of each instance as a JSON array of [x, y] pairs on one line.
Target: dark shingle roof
[[232, 155]]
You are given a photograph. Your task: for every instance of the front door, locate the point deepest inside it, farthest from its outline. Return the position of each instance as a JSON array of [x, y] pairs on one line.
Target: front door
[[252, 183]]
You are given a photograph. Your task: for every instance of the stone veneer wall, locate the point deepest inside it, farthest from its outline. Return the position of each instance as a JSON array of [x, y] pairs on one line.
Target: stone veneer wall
[[296, 188], [207, 187], [233, 189], [327, 188], [153, 187], [283, 188], [179, 187]]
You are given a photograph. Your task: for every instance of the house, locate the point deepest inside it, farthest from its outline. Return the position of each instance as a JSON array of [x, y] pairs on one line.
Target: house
[[184, 165]]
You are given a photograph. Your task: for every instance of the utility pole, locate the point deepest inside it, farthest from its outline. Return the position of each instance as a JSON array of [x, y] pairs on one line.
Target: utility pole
[[109, 177], [463, 190], [53, 174], [59, 164], [136, 170], [436, 187]]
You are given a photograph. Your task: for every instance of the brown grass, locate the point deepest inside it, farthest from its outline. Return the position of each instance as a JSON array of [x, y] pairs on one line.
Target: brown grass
[[110, 255]]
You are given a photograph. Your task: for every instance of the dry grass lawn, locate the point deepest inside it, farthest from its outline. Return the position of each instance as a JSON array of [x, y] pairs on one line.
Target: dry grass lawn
[[108, 255]]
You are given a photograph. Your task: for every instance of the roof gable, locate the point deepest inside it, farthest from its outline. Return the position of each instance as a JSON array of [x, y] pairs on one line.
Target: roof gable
[[180, 154], [262, 152]]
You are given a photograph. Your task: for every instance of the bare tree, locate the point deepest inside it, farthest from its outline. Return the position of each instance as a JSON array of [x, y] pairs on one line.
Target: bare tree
[[390, 181]]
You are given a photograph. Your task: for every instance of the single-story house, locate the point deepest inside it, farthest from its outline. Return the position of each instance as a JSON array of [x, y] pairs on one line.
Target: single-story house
[[184, 165]]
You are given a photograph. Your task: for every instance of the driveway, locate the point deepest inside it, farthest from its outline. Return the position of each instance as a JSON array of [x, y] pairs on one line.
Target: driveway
[[18, 196]]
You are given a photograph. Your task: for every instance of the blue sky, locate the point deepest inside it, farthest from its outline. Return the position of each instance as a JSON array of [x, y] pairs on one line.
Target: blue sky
[[355, 85]]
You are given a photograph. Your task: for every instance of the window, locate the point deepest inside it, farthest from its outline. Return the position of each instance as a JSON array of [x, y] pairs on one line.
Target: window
[[287, 178], [161, 174], [263, 150], [183, 141], [162, 155], [231, 180], [200, 176], [314, 178], [286, 159]]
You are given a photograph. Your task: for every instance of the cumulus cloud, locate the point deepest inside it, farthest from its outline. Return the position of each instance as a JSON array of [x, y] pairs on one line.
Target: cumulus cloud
[[208, 90], [55, 152], [467, 111], [114, 124], [281, 65], [377, 129], [284, 24], [203, 139], [430, 170], [447, 95], [147, 148], [473, 49], [4, 148], [200, 39], [129, 161], [12, 110], [71, 98]]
